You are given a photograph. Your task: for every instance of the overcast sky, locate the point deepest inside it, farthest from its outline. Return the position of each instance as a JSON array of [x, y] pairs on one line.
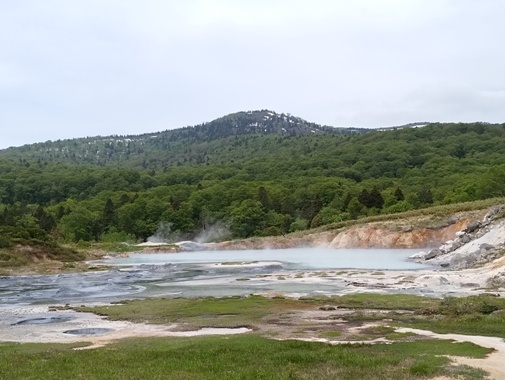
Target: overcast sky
[[99, 67]]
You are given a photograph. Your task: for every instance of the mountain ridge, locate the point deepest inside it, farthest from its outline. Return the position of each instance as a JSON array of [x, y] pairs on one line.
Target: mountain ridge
[[233, 172], [259, 122]]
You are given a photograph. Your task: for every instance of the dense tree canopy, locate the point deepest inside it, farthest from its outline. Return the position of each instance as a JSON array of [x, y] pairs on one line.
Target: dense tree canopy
[[253, 183]]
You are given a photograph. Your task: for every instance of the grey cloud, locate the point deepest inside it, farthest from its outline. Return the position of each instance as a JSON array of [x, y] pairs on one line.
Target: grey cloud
[[70, 69]]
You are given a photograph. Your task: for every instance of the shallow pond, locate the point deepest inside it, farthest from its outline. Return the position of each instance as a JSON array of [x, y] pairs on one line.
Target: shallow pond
[[299, 258], [205, 273]]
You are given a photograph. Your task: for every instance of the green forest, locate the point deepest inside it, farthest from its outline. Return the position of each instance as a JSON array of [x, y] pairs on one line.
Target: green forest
[[247, 174]]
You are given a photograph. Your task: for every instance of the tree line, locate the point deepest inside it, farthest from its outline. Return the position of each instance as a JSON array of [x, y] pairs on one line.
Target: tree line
[[251, 185]]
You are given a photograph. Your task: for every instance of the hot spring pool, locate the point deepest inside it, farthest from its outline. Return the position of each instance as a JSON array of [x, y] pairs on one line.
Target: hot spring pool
[[295, 258]]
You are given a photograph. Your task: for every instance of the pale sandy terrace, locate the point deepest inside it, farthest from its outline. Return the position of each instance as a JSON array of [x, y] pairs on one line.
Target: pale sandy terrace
[[55, 332], [494, 363]]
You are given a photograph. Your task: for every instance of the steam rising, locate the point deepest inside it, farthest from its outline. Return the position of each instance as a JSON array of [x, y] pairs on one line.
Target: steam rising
[[163, 234], [215, 232], [211, 233]]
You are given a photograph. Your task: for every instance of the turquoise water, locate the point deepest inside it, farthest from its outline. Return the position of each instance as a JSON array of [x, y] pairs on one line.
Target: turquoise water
[[292, 258], [196, 274]]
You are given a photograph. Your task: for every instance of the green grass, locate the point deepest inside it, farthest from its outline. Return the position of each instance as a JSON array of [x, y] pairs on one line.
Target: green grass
[[225, 312], [251, 356], [24, 252], [482, 304], [472, 324], [474, 315], [247, 310], [378, 273], [10, 258], [378, 330], [470, 315], [384, 301], [331, 334], [235, 357], [438, 213], [90, 247]]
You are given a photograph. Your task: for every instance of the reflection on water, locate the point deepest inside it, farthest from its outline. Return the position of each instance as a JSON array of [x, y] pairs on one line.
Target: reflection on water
[[193, 274]]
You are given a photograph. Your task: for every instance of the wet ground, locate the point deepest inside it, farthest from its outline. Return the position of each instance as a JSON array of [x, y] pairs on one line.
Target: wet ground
[[32, 307], [196, 274]]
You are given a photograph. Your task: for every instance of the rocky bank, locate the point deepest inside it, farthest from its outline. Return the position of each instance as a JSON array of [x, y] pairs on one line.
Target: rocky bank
[[420, 232], [480, 242]]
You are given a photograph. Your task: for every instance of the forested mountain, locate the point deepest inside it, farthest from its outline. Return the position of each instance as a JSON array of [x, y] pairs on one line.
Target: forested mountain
[[247, 173], [199, 143]]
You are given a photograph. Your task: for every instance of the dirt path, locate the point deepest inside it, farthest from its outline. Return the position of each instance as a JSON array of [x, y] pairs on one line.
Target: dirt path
[[494, 363]]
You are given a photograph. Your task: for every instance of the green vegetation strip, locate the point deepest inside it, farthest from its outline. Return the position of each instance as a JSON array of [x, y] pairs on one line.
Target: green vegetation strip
[[252, 356], [246, 310], [271, 183], [200, 312], [236, 357], [475, 315]]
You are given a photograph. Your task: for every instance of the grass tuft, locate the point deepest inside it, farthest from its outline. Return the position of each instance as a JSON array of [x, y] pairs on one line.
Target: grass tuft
[[233, 357]]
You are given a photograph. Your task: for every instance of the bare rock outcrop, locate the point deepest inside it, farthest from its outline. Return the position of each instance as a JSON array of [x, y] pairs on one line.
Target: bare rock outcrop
[[370, 236], [478, 243]]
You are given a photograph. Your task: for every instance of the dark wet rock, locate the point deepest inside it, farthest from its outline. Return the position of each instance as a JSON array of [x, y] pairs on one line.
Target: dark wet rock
[[472, 227], [190, 246], [132, 274], [44, 320], [380, 285], [446, 247], [453, 220], [273, 267], [443, 281], [465, 239], [486, 246], [157, 268], [432, 254], [88, 331], [470, 285], [472, 257], [456, 244], [445, 265], [68, 292], [358, 284], [457, 262], [467, 260], [418, 256], [493, 211], [327, 308], [497, 281]]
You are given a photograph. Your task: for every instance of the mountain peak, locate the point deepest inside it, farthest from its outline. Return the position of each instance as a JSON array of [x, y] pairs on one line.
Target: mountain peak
[[264, 122], [106, 149]]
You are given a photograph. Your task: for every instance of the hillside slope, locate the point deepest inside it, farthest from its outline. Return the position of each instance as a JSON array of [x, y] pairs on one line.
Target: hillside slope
[[169, 143], [251, 173]]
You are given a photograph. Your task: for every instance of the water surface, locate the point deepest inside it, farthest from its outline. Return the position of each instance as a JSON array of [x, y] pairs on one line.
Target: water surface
[[203, 273], [295, 258]]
